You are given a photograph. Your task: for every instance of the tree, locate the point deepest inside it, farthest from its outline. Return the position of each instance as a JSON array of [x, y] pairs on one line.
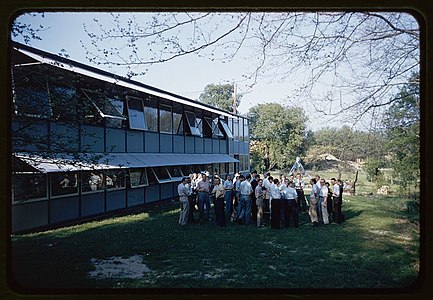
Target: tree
[[363, 57], [402, 123], [220, 96], [277, 133], [27, 31]]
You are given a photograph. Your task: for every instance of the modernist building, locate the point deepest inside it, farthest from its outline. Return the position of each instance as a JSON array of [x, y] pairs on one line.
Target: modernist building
[[86, 143]]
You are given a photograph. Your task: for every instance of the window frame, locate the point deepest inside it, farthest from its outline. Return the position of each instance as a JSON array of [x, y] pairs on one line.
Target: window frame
[[193, 129], [142, 171], [103, 180], [118, 171], [130, 98], [78, 185], [87, 91], [160, 118], [37, 199]]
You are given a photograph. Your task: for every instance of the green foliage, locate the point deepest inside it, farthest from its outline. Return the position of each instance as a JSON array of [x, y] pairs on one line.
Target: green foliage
[[402, 122], [220, 96], [371, 168], [279, 133]]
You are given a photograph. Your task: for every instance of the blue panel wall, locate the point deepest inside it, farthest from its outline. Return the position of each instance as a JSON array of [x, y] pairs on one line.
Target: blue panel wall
[[223, 146], [231, 147], [37, 130], [152, 193], [208, 145], [216, 146], [135, 141], [29, 215], [92, 204], [166, 143], [64, 209], [199, 147], [179, 144], [236, 147], [166, 190], [63, 138], [115, 140], [116, 199], [92, 139], [151, 144], [246, 149], [189, 144], [135, 196]]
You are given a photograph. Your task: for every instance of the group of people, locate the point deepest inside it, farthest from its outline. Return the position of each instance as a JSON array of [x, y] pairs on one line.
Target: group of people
[[261, 201]]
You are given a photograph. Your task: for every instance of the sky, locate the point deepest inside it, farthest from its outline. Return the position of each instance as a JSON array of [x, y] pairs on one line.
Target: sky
[[186, 76]]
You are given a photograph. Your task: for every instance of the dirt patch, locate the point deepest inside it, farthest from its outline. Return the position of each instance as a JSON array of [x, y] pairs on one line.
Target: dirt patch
[[118, 268]]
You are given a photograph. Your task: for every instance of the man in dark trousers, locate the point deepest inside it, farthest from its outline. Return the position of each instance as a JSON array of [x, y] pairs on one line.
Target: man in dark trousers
[[254, 184]]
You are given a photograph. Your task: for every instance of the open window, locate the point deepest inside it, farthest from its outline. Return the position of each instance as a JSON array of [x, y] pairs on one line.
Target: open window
[[138, 178], [107, 108], [161, 174], [225, 129], [176, 173], [136, 113], [216, 130], [193, 123], [207, 127], [29, 187]]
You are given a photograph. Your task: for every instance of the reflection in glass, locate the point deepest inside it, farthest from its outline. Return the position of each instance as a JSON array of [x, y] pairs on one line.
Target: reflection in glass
[[28, 186]]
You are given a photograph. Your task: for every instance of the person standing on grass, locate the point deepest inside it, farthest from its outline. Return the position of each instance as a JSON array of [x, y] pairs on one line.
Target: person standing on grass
[[260, 194], [323, 197], [228, 196], [275, 203], [284, 209], [244, 209], [183, 193], [314, 200], [267, 197], [329, 201], [203, 189], [236, 184], [218, 193], [253, 197], [299, 186], [336, 211], [292, 204]]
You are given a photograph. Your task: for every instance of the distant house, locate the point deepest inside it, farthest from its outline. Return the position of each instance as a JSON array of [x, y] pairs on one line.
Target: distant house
[[86, 143]]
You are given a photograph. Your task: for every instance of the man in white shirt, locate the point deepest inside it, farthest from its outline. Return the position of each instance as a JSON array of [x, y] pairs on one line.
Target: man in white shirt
[[203, 189], [183, 193], [323, 195], [245, 191], [260, 193], [218, 193], [275, 203], [336, 199], [228, 196], [267, 198], [292, 203]]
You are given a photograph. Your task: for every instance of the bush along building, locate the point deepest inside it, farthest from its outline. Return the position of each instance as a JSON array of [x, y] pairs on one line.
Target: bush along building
[[87, 143]]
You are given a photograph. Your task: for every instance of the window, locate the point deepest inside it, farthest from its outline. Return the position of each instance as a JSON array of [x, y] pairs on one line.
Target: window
[[151, 117], [165, 119], [193, 125], [31, 96], [106, 108], [114, 179], [236, 129], [186, 170], [151, 177], [28, 187], [64, 102], [92, 181], [177, 123], [241, 129], [226, 129], [138, 177], [207, 128], [175, 173], [246, 131], [223, 169], [231, 168], [64, 183], [216, 131], [136, 113]]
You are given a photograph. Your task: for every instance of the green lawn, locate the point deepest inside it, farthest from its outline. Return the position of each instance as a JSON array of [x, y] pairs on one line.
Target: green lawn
[[377, 247]]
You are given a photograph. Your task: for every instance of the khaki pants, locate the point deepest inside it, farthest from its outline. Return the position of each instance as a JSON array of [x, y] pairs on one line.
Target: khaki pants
[[184, 210], [313, 212], [325, 215], [259, 203]]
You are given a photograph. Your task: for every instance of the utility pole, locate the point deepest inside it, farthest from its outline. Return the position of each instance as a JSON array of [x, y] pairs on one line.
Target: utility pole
[[234, 98]]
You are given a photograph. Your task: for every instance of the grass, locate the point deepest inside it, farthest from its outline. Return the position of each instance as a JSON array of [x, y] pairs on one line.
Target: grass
[[377, 247]]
